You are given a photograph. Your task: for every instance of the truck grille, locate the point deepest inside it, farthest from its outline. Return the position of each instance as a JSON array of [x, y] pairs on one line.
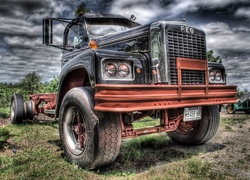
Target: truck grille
[[187, 46]]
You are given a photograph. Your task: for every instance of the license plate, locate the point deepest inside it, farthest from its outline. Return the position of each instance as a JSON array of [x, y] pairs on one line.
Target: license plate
[[192, 113]]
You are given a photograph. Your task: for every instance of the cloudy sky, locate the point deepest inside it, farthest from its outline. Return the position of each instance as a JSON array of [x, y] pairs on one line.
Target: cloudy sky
[[226, 23]]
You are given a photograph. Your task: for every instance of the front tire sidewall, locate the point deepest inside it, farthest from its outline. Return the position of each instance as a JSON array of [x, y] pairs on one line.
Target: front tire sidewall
[[82, 100]]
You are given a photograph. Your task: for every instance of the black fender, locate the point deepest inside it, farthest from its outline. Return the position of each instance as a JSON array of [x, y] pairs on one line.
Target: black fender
[[78, 72]]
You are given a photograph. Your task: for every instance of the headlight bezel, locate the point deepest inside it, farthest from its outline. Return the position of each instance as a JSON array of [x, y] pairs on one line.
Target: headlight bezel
[[216, 76], [119, 64]]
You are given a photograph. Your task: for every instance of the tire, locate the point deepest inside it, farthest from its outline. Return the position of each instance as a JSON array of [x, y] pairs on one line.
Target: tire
[[108, 140], [198, 132], [29, 109], [247, 111], [229, 109], [77, 126], [16, 109]]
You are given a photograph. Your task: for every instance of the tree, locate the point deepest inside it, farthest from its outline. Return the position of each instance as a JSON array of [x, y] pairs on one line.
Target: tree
[[211, 57], [241, 93], [81, 10], [31, 84], [52, 86]]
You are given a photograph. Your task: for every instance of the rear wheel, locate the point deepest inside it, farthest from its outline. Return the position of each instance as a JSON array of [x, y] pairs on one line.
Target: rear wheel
[[229, 109], [16, 109], [29, 109], [198, 132]]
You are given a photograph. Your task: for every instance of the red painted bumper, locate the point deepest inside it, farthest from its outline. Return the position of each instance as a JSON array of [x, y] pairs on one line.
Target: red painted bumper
[[128, 98]]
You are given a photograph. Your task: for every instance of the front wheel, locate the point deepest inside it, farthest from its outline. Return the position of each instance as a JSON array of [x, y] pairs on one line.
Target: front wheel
[[200, 131], [77, 126], [88, 140]]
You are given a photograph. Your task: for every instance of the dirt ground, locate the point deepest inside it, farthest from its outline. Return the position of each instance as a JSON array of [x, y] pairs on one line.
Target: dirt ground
[[233, 156], [228, 151]]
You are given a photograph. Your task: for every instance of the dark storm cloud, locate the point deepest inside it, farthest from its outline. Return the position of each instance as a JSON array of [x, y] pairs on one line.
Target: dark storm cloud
[[24, 8], [20, 32], [226, 23]]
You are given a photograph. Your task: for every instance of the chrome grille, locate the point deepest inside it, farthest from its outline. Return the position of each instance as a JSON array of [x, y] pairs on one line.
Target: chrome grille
[[185, 45]]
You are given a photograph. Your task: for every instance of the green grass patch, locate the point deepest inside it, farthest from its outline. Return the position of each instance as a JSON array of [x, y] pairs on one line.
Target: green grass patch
[[146, 122], [184, 169], [4, 112], [133, 148], [37, 154], [234, 120]]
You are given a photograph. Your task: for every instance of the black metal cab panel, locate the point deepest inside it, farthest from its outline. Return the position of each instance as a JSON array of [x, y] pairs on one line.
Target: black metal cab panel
[[216, 65], [135, 39], [84, 60]]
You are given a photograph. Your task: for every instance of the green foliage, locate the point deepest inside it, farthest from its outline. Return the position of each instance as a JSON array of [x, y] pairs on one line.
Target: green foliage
[[6, 91], [81, 10], [52, 86], [212, 58], [30, 84], [4, 112], [241, 93]]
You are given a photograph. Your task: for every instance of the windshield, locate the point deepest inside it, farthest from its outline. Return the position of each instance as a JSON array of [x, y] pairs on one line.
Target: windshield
[[102, 26]]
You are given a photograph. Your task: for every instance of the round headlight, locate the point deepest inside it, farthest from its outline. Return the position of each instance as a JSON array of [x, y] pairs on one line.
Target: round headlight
[[218, 76], [123, 70], [110, 70], [211, 75]]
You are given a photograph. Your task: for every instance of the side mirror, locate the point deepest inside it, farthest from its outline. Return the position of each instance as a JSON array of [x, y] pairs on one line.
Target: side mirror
[[47, 31]]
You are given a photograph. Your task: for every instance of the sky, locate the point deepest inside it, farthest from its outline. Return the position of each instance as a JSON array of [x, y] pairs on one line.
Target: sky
[[225, 22]]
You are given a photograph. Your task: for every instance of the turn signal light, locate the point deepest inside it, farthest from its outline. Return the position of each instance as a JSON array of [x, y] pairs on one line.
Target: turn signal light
[[93, 44]]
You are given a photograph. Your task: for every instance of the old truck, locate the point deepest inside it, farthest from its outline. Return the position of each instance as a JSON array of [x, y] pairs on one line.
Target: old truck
[[116, 71]]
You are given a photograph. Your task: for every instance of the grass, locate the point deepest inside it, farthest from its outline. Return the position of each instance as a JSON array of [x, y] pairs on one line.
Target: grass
[[185, 169], [234, 121], [4, 112], [146, 122], [33, 151]]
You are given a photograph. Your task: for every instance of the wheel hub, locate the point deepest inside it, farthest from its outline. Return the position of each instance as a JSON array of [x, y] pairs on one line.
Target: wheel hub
[[79, 130], [75, 130], [187, 127]]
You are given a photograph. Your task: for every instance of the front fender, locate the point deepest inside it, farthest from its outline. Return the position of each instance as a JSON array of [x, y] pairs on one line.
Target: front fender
[[78, 72]]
